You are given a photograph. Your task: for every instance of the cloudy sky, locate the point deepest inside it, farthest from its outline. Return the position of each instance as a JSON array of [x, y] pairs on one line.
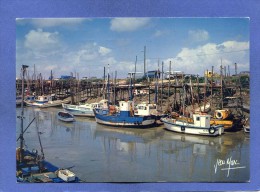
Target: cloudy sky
[[86, 45]]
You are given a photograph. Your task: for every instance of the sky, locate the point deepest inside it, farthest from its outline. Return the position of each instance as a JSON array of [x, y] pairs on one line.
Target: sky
[[84, 46]]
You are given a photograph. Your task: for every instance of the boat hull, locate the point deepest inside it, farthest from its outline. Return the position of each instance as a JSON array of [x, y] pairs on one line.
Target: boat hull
[[65, 116], [66, 119], [78, 110], [47, 104], [124, 121], [182, 127]]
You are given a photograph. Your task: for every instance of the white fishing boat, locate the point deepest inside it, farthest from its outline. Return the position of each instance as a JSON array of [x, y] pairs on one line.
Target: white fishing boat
[[18, 100], [200, 126], [44, 101], [85, 110], [66, 175], [246, 126], [65, 116]]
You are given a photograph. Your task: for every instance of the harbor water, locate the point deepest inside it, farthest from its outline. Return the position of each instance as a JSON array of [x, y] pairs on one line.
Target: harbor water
[[100, 153]]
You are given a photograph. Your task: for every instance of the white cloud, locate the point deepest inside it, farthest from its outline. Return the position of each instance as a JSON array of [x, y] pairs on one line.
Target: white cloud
[[199, 59], [40, 40], [104, 51], [90, 52], [198, 35], [51, 22], [159, 33], [128, 24]]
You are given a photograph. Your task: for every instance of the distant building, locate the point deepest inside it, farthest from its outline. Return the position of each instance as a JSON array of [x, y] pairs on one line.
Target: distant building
[[152, 74], [244, 73], [209, 74], [174, 75], [66, 77]]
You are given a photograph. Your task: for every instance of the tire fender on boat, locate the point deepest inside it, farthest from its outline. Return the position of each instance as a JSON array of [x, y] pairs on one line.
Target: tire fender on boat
[[182, 128], [212, 130], [219, 115], [34, 151]]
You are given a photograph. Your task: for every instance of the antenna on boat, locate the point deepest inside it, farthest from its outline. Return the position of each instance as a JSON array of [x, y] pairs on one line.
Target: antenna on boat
[[22, 114]]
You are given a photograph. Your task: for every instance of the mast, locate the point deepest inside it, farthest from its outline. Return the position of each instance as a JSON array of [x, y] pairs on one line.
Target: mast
[[156, 86], [211, 92], [221, 84], [104, 85], [162, 85], [144, 60], [169, 79], [205, 90], [191, 91], [135, 71], [51, 81], [131, 87], [108, 86], [183, 96], [22, 114]]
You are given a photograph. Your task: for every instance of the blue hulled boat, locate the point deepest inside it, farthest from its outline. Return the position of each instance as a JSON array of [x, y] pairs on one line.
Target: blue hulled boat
[[123, 117]]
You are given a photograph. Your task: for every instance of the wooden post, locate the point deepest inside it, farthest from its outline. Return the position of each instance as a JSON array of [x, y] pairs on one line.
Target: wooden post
[[211, 91], [169, 79], [221, 85], [162, 86]]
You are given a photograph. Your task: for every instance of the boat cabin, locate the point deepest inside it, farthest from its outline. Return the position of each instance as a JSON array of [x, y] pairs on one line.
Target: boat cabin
[[201, 120], [145, 109], [45, 98], [103, 104], [126, 105], [95, 105]]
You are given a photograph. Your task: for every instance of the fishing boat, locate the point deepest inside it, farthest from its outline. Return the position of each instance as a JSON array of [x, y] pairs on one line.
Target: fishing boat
[[125, 117], [84, 110], [45, 101], [200, 126], [18, 100], [149, 109], [66, 175], [65, 116], [31, 167], [246, 126]]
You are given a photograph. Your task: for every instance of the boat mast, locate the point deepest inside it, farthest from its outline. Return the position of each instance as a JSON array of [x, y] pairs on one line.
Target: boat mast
[[22, 114], [131, 88], [115, 87], [156, 86], [135, 71], [205, 90], [108, 86], [162, 87]]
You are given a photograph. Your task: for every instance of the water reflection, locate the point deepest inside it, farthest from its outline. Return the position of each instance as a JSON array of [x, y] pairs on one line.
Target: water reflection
[[107, 154]]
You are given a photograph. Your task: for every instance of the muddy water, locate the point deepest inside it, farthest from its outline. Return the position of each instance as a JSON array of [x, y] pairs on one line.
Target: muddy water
[[105, 154]]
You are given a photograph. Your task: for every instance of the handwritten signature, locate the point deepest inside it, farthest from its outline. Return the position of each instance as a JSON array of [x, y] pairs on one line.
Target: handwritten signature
[[228, 165]]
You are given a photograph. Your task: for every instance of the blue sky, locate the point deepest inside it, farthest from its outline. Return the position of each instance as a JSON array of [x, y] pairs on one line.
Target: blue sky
[[86, 45]]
